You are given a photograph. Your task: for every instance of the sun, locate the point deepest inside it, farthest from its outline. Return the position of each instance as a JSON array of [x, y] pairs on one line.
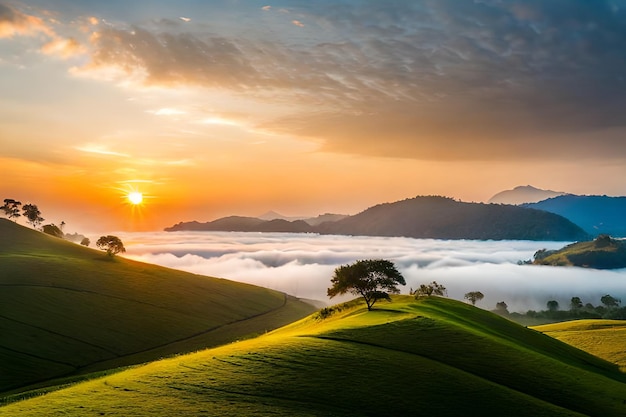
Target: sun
[[135, 197]]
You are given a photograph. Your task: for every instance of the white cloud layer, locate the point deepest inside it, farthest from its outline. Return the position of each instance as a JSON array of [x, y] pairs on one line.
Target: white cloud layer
[[302, 264]]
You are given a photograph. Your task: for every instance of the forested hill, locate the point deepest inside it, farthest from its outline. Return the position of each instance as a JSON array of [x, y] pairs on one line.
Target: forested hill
[[594, 213], [601, 253], [422, 217], [445, 218]]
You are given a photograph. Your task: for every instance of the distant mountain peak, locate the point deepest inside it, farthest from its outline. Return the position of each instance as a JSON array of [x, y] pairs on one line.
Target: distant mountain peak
[[272, 215], [523, 194]]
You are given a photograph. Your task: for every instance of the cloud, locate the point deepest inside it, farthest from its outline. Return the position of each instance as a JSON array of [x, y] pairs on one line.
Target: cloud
[[15, 23], [425, 80], [297, 23], [303, 264], [64, 48]]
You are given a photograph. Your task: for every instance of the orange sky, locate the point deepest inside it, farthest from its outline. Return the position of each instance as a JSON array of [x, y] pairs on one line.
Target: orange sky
[[224, 108]]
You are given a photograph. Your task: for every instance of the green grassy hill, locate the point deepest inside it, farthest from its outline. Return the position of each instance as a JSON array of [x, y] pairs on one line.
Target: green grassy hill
[[600, 253], [66, 309], [602, 338], [432, 357]]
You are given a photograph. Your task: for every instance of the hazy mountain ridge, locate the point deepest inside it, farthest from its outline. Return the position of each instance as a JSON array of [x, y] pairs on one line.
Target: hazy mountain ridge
[[420, 217], [594, 213], [523, 194]]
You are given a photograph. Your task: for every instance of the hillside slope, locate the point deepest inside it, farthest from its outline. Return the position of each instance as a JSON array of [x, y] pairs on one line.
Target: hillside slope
[[434, 357], [600, 253], [69, 309], [602, 338], [594, 213]]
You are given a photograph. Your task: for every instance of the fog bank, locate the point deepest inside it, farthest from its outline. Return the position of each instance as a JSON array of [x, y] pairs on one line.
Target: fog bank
[[302, 264]]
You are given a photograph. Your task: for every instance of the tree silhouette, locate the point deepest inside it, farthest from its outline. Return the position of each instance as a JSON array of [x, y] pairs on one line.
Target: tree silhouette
[[111, 244], [474, 296], [426, 290], [552, 305], [11, 208], [372, 279], [609, 301], [502, 308], [576, 304], [32, 214]]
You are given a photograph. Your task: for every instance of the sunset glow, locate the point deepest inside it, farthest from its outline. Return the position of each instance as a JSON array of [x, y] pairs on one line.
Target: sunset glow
[[135, 197], [237, 108]]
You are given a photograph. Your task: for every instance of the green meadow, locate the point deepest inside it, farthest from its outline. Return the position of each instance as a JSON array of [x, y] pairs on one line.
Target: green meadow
[[431, 357], [603, 338], [84, 334], [68, 310]]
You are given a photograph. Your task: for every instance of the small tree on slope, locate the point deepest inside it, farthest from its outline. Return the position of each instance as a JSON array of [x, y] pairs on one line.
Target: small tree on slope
[[372, 279], [111, 244]]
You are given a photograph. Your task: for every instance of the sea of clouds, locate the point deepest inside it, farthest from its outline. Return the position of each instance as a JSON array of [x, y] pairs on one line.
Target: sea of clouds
[[302, 264]]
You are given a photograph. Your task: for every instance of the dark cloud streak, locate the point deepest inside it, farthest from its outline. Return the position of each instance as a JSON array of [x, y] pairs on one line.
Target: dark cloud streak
[[427, 80]]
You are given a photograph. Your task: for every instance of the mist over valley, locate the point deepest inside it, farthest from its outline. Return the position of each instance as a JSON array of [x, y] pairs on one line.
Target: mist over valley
[[302, 264]]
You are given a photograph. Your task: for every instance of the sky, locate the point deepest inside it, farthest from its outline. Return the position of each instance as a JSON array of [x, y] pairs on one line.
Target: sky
[[302, 265], [221, 107]]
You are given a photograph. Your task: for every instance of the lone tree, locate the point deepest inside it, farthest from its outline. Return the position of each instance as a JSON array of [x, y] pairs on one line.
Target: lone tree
[[502, 308], [609, 301], [372, 279], [85, 241], [32, 214], [11, 208], [474, 296], [552, 305], [112, 244], [575, 304], [426, 290]]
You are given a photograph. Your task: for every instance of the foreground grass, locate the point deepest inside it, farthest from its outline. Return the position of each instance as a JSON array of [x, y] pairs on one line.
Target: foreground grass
[[603, 338], [72, 310], [432, 357]]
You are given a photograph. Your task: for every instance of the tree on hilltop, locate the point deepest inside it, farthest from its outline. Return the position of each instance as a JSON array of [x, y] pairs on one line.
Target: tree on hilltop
[[111, 244], [32, 214], [474, 296], [372, 279], [426, 290], [11, 208]]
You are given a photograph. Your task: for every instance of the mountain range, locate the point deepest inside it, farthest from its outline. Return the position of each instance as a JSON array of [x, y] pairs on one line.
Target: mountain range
[[523, 194], [420, 217]]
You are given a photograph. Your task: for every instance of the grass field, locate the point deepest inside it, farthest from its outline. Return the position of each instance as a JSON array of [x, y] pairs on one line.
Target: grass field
[[603, 338], [430, 357], [66, 309]]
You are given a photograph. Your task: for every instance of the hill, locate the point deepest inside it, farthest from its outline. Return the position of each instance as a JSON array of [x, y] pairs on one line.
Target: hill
[[434, 357], [523, 194], [445, 218], [602, 338], [244, 224], [594, 213], [601, 253], [420, 217], [70, 310]]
